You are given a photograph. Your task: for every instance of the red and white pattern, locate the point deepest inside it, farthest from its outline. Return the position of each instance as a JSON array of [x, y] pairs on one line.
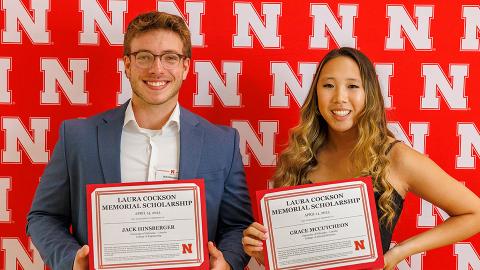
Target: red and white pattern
[[252, 66]]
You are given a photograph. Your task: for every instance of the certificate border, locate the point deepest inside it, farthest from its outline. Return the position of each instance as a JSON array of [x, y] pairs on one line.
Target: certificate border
[[143, 191], [200, 210], [371, 222]]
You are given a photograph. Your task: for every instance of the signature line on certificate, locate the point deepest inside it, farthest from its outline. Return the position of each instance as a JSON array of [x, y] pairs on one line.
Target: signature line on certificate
[[141, 221], [149, 242], [322, 242], [286, 226]]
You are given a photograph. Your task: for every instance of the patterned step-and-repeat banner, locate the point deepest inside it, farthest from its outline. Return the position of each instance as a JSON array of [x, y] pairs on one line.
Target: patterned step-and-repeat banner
[[253, 63]]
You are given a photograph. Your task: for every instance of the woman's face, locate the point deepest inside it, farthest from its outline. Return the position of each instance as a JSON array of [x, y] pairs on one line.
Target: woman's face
[[341, 96]]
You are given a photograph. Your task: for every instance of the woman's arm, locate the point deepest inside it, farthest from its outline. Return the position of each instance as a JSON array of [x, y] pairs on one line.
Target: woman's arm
[[420, 175]]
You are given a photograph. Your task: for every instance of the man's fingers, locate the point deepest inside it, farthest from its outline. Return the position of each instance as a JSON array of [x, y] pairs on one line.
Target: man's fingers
[[81, 258], [83, 252], [213, 251], [217, 262]]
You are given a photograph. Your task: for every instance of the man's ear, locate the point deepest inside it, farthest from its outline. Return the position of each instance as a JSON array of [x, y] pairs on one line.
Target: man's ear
[[127, 65], [186, 67]]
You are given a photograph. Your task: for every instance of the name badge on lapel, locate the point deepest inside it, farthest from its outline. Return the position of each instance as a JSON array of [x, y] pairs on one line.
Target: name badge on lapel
[[166, 174]]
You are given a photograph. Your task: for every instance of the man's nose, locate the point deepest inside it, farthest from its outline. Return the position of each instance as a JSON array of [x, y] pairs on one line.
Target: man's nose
[[157, 65]]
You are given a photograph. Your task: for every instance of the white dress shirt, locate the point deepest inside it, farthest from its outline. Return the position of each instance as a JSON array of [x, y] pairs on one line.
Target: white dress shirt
[[149, 155]]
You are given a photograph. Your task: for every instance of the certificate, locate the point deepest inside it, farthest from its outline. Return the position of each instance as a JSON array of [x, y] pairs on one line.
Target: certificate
[[322, 226], [148, 225]]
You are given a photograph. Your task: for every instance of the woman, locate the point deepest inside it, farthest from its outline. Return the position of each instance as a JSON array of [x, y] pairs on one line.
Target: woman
[[343, 134]]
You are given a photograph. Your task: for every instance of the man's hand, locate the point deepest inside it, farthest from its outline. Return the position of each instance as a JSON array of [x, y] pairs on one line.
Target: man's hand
[[81, 259], [217, 262]]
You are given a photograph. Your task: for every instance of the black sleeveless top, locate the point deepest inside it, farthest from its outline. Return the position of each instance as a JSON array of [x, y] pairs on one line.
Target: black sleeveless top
[[386, 233]]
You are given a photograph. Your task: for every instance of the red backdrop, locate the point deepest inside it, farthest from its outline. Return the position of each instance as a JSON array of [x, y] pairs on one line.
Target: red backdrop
[[252, 66]]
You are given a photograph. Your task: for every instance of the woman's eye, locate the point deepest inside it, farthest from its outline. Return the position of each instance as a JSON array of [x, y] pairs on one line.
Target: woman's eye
[[353, 86], [328, 85]]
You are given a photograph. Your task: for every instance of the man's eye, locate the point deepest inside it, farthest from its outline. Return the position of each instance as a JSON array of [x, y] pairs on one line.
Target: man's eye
[[144, 56], [171, 58]]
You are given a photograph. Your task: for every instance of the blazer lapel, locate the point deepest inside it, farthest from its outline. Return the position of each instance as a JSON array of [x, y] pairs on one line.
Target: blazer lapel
[[191, 142], [109, 136]]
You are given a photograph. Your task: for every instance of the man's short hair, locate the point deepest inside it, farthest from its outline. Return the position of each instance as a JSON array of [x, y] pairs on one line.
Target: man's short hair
[[158, 20]]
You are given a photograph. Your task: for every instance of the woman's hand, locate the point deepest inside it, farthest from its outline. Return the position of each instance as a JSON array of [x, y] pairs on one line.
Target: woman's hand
[[252, 241], [392, 258]]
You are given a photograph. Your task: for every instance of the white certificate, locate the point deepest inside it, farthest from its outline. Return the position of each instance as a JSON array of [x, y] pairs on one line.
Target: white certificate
[[321, 227], [150, 226]]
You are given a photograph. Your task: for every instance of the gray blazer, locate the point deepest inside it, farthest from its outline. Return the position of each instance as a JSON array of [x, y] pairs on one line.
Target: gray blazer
[[88, 151]]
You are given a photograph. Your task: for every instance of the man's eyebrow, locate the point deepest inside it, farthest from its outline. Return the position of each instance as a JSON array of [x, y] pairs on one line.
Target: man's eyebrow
[[169, 51], [162, 52]]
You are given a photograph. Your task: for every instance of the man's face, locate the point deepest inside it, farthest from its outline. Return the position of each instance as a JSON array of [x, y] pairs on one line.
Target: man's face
[[156, 85]]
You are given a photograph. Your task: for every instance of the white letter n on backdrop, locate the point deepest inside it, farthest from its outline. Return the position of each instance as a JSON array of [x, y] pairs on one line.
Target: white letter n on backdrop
[[15, 254], [5, 186], [342, 33], [263, 148], [93, 14], [284, 78], [195, 10], [249, 19], [467, 256], [469, 143], [470, 41], [453, 93], [208, 78], [417, 130], [419, 35], [74, 88], [16, 13], [5, 93], [16, 133]]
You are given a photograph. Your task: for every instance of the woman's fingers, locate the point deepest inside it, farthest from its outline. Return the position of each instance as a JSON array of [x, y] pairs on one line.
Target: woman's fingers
[[259, 227], [256, 230], [248, 241], [252, 240]]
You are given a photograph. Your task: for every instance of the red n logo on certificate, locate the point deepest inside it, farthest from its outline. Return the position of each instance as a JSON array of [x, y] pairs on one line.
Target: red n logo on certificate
[[186, 248], [359, 244]]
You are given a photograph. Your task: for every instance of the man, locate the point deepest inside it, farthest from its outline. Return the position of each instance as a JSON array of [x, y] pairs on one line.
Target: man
[[140, 141]]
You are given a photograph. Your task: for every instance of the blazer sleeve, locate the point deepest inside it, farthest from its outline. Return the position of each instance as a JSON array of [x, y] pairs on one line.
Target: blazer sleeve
[[235, 212], [49, 219]]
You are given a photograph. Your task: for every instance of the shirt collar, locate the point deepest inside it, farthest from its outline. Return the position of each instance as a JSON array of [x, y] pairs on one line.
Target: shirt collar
[[173, 121]]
